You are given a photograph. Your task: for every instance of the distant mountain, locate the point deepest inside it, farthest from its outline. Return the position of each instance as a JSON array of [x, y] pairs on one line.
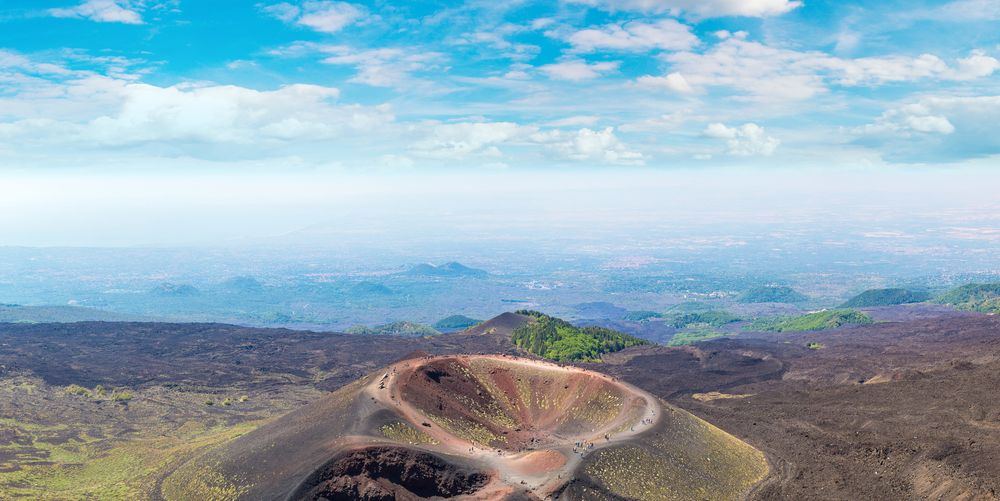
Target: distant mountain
[[984, 298], [642, 315], [12, 313], [455, 322], [886, 297], [600, 309], [244, 283], [557, 339], [404, 329], [772, 294], [366, 288], [502, 325], [452, 269], [820, 320], [174, 290]]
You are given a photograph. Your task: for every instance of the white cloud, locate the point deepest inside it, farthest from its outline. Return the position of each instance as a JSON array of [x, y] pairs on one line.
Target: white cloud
[[674, 82], [592, 146], [320, 15], [977, 65], [936, 128], [574, 121], [458, 141], [664, 122], [100, 112], [961, 10], [745, 140], [665, 34], [382, 67], [576, 69], [698, 8], [761, 72], [102, 11], [467, 140]]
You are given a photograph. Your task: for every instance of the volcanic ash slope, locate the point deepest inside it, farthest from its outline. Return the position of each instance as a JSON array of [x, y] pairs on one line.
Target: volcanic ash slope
[[477, 427]]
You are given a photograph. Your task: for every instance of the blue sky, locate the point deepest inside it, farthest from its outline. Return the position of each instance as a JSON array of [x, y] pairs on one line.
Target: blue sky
[[135, 121], [122, 84]]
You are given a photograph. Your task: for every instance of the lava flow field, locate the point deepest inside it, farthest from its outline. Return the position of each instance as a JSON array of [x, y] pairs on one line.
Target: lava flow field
[[479, 427]]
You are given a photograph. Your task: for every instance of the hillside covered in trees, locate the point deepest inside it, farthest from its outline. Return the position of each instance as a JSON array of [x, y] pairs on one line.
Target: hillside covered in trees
[[559, 340], [984, 298], [885, 297], [820, 320]]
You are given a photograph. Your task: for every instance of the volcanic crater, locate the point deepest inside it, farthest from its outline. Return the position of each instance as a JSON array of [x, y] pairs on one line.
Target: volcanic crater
[[482, 427]]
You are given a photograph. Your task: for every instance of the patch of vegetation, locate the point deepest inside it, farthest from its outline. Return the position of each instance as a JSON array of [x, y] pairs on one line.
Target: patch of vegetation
[[695, 335], [404, 329], [690, 307], [75, 389], [556, 339], [815, 346], [886, 297], [100, 392], [713, 318], [403, 432], [984, 298], [456, 322], [642, 315], [772, 294], [121, 396], [820, 320]]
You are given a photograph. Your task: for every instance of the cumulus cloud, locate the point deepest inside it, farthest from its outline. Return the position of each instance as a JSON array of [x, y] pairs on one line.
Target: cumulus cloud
[[665, 34], [465, 140], [577, 69], [760, 72], [320, 15], [102, 11], [105, 112], [586, 145], [936, 128], [745, 140], [459, 141], [698, 8]]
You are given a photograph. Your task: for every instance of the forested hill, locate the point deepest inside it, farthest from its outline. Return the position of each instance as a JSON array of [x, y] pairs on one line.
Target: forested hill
[[557, 339]]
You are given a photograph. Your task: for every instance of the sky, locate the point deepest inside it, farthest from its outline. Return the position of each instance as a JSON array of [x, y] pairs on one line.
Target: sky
[[253, 118]]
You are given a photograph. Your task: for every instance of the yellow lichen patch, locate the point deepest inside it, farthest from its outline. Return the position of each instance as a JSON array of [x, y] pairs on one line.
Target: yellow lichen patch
[[467, 430], [684, 458], [402, 432], [715, 395], [87, 468], [601, 408]]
